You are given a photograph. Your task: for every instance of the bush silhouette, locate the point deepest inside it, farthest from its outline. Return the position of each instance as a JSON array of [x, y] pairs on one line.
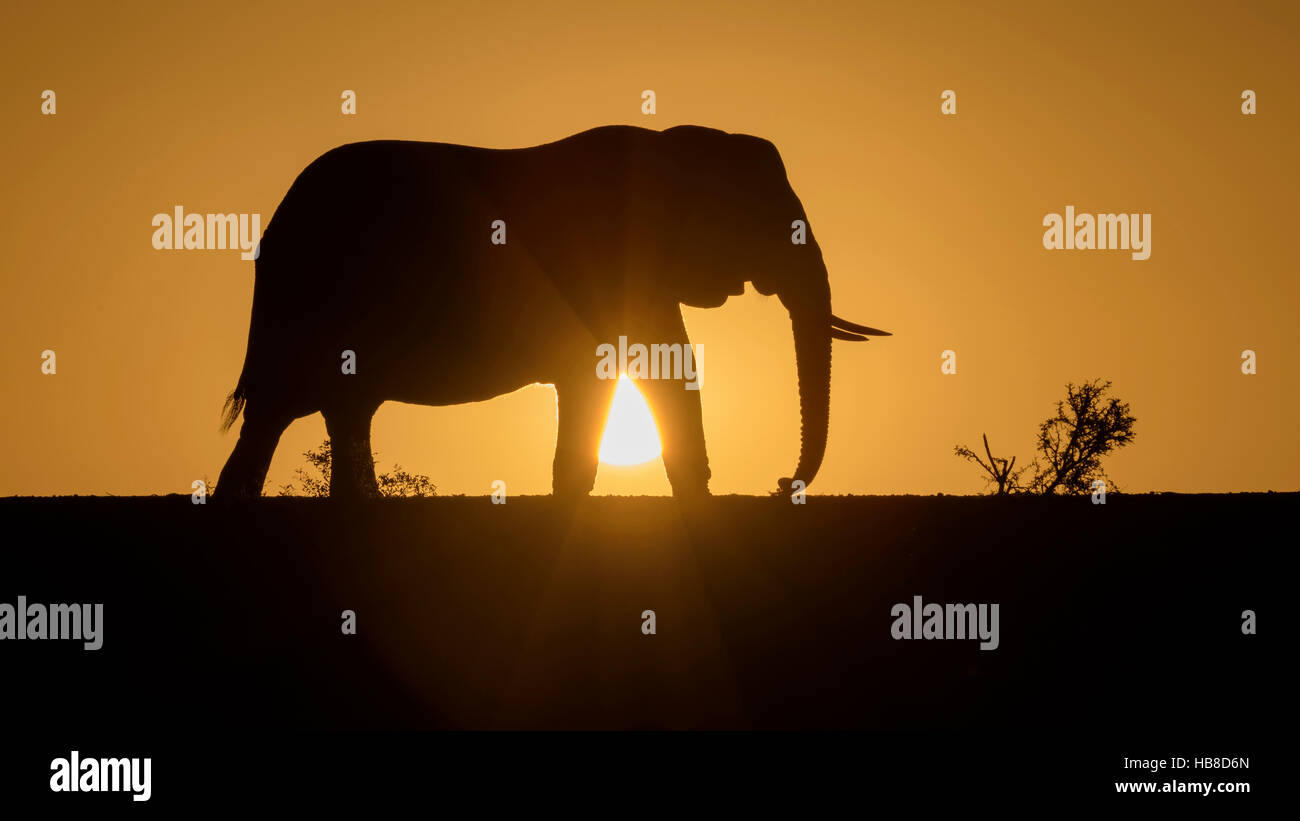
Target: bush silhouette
[[1087, 425], [395, 483]]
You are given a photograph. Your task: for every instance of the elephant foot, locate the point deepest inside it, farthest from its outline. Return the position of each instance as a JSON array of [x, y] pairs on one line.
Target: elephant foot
[[352, 468], [233, 492], [690, 481], [691, 490], [574, 474], [571, 491]]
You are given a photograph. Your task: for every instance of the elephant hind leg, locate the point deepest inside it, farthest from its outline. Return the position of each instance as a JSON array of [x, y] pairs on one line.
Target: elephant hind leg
[[352, 464], [245, 470]]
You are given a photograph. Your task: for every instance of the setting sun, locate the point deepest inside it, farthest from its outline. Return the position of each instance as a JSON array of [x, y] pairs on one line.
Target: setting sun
[[630, 435]]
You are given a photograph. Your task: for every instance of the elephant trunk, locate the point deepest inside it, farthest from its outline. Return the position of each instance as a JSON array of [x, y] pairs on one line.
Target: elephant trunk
[[812, 348]]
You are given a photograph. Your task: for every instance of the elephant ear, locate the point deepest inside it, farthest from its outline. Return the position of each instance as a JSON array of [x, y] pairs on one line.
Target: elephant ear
[[764, 206], [771, 207], [765, 282], [723, 200]]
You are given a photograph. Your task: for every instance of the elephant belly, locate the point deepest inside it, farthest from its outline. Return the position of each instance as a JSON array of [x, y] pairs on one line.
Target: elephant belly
[[417, 340]]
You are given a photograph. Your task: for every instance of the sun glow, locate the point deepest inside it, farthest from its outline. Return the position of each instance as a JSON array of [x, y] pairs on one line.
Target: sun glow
[[630, 434]]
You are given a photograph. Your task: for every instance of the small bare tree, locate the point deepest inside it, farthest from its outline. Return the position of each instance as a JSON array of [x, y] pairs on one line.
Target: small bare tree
[[1001, 471], [1087, 425]]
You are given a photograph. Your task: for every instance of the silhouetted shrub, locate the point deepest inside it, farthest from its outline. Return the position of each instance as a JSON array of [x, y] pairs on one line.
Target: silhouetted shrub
[[1087, 425], [397, 482]]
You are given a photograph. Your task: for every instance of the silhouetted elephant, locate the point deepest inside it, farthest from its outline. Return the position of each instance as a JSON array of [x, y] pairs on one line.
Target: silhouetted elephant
[[385, 249]]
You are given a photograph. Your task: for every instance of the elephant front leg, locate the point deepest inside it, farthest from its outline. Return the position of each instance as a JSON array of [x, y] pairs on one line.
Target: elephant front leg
[[680, 421], [583, 406]]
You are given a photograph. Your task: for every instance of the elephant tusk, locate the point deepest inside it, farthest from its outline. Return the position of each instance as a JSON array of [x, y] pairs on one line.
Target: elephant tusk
[[853, 327], [836, 333]]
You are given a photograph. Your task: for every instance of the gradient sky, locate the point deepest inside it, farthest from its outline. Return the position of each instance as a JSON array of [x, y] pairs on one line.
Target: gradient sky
[[930, 225]]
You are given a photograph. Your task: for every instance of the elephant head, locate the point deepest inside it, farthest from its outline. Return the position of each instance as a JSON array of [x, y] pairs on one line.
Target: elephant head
[[735, 220]]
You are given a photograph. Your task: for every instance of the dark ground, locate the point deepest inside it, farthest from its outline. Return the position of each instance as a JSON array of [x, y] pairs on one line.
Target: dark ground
[[1116, 620]]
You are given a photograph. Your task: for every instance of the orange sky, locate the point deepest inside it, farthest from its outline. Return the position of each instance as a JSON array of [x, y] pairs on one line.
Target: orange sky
[[931, 225]]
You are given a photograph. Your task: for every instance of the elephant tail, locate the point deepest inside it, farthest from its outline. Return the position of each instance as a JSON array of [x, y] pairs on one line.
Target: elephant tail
[[238, 398], [234, 405]]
